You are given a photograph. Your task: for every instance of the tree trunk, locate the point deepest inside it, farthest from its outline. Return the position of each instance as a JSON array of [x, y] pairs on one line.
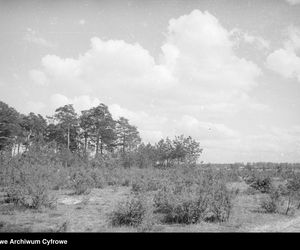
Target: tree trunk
[[85, 142], [288, 206], [68, 137], [97, 143], [101, 147], [124, 143]]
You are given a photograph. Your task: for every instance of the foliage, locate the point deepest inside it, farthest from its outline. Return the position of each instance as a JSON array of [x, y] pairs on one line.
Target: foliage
[[127, 135], [81, 181], [9, 126], [188, 201], [270, 203], [99, 126], [28, 186], [129, 213], [260, 183], [180, 150], [68, 122], [33, 196]]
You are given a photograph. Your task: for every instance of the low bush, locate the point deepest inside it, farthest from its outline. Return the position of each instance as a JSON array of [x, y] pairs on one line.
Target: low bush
[[129, 213], [33, 196], [29, 185], [206, 200], [221, 203], [293, 188], [271, 202], [82, 182], [262, 184], [146, 183]]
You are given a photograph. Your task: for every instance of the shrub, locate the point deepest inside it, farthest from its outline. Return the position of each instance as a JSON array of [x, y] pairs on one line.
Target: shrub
[[145, 183], [60, 178], [189, 200], [270, 203], [221, 203], [293, 188], [28, 186], [129, 213], [187, 206], [33, 196], [98, 178], [262, 184], [82, 182], [187, 210]]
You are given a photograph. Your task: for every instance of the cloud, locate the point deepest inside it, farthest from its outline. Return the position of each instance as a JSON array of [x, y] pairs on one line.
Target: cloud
[[293, 2], [293, 41], [38, 77], [189, 125], [80, 103], [35, 107], [239, 36], [285, 61], [197, 80], [31, 36], [56, 66], [258, 41], [205, 57], [82, 22], [150, 126], [272, 144], [197, 60]]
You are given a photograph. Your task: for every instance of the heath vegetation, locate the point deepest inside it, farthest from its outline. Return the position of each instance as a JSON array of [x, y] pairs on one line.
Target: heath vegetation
[[42, 157]]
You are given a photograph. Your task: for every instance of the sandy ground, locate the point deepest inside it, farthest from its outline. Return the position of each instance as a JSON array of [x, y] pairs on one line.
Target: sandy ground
[[288, 225], [81, 213], [89, 213]]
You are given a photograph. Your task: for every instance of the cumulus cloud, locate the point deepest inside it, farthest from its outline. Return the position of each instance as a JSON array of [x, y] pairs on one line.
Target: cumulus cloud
[[204, 130], [197, 60], [239, 36], [285, 61], [32, 36], [256, 40], [80, 103], [150, 126], [205, 57], [35, 107], [197, 76], [38, 77], [272, 144]]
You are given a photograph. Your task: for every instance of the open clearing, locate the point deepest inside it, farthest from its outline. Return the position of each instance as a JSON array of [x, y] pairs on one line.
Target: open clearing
[[89, 213]]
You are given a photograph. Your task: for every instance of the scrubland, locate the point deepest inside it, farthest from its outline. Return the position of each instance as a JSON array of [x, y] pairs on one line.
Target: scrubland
[[46, 192]]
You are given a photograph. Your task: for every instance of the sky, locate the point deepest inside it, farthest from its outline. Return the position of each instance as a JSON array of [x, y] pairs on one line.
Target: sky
[[225, 72]]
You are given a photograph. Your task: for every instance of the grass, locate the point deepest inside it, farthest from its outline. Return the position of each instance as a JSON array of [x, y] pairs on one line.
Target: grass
[[92, 198], [93, 215]]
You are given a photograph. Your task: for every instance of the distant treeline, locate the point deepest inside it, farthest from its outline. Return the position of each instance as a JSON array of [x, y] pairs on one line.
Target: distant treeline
[[93, 133]]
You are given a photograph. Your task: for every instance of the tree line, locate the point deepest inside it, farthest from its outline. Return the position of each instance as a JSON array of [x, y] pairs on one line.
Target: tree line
[[93, 133]]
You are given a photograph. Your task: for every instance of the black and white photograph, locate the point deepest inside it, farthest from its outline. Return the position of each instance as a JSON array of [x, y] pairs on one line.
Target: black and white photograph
[[149, 116]]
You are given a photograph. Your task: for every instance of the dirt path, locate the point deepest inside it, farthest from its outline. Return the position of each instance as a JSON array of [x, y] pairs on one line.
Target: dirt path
[[80, 213], [89, 212], [289, 225]]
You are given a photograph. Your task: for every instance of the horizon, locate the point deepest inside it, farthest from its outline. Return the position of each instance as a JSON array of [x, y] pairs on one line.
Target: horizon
[[226, 73]]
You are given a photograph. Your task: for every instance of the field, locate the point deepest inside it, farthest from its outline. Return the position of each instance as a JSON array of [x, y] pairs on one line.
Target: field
[[40, 197], [89, 213]]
